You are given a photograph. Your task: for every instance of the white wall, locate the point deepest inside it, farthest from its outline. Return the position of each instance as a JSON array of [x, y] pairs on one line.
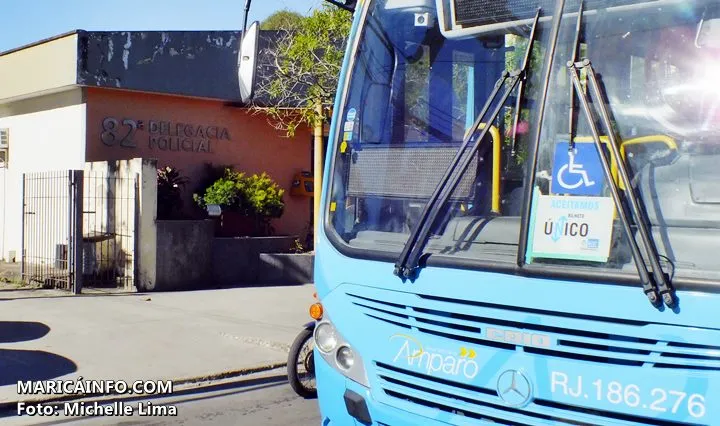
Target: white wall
[[46, 133], [24, 71]]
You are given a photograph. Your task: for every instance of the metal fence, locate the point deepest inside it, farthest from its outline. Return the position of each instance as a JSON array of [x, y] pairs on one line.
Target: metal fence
[[50, 222], [109, 223], [79, 229]]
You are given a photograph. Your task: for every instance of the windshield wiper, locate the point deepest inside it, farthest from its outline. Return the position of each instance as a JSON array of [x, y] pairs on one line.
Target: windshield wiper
[[408, 261], [660, 283]]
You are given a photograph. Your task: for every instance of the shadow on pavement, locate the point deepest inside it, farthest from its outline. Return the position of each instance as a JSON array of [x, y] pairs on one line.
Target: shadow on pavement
[[230, 286], [21, 365], [76, 296], [19, 289], [233, 387], [256, 285], [21, 331]]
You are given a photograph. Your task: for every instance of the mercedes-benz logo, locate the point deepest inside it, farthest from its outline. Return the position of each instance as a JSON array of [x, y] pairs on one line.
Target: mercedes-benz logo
[[514, 388]]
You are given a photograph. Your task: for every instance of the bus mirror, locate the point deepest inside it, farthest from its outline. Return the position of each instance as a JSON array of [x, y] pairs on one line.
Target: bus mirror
[[247, 62], [708, 34]]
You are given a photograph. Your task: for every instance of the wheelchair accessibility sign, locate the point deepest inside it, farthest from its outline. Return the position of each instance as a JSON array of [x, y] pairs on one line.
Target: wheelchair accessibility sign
[[577, 171]]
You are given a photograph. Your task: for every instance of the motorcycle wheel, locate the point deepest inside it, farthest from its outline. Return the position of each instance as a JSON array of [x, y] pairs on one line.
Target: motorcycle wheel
[[301, 365]]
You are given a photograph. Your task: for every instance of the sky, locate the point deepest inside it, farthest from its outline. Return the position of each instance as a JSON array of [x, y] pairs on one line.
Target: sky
[[27, 21]]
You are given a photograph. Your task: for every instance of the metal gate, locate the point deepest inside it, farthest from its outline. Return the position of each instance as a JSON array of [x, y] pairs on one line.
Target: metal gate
[[51, 220], [78, 230]]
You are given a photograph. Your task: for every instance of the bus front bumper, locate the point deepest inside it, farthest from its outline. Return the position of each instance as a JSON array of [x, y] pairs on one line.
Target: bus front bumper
[[339, 396]]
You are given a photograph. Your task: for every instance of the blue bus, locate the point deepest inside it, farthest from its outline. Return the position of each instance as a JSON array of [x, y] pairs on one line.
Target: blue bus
[[521, 215]]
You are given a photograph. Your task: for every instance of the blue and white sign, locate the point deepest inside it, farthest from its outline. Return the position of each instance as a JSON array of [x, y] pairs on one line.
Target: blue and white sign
[[351, 114], [577, 171], [578, 228]]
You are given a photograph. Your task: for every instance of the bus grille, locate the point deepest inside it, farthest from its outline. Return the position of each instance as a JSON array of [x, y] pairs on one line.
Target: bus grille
[[573, 337], [479, 403], [623, 342]]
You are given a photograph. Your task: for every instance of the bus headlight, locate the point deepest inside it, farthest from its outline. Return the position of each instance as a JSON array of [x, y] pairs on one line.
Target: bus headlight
[[325, 337], [338, 352], [345, 357]]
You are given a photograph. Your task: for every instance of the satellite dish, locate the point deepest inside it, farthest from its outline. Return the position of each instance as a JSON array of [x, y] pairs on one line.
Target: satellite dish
[[247, 62]]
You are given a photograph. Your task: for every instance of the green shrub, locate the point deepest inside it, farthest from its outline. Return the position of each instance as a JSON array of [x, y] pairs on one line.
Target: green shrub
[[211, 173], [226, 191], [256, 196], [264, 196]]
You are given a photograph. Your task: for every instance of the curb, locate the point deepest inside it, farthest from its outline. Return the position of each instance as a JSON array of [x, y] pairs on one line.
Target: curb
[[11, 405]]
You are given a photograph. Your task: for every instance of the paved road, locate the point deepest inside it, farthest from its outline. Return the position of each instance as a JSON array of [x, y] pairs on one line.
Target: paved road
[[263, 399], [46, 335]]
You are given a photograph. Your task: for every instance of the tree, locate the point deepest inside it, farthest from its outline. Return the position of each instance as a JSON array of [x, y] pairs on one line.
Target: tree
[[282, 20], [304, 63], [514, 57]]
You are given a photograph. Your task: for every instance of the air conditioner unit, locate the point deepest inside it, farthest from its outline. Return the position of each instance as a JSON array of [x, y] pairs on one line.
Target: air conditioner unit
[[4, 138], [4, 147]]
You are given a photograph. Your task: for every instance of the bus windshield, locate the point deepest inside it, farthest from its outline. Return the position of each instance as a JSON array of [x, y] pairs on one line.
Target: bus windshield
[[413, 93], [656, 69]]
